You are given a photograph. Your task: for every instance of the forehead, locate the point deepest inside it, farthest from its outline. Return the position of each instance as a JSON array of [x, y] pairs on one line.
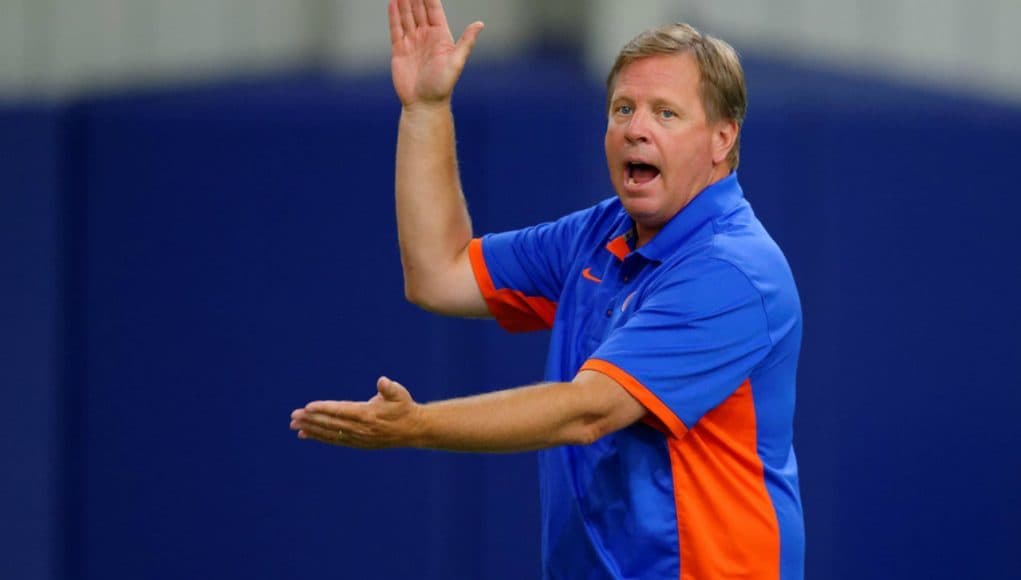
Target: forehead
[[662, 74]]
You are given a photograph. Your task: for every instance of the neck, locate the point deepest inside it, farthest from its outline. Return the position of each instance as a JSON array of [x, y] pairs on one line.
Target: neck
[[645, 233]]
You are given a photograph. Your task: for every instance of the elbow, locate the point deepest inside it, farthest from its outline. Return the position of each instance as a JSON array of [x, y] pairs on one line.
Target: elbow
[[587, 432], [412, 294], [601, 406], [416, 296], [586, 436], [415, 284], [425, 300], [592, 417], [420, 288]]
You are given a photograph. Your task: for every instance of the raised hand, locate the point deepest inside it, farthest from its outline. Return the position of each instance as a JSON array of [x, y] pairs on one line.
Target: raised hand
[[425, 61], [388, 419]]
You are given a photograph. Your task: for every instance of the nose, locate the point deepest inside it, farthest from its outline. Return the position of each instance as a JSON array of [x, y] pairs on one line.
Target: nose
[[637, 128]]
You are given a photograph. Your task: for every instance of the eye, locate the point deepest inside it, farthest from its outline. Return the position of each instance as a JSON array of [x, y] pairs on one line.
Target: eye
[[667, 114], [624, 109]]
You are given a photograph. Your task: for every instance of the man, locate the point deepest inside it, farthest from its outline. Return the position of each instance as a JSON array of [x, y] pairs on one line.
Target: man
[[665, 427]]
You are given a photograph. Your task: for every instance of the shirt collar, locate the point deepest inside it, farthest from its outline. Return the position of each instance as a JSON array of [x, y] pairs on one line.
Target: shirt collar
[[711, 203]]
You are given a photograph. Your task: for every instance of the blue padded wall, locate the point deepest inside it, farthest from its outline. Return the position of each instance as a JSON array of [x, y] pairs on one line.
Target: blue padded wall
[[232, 255], [30, 310], [237, 258]]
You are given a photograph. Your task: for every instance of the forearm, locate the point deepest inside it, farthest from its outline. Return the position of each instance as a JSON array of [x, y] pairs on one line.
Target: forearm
[[432, 219], [521, 419]]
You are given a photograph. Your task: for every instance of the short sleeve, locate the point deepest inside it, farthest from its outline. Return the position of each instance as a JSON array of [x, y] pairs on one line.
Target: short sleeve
[[691, 342], [521, 273]]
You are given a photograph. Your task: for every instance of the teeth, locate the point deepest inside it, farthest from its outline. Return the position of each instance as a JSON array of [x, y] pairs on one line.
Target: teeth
[[631, 181]]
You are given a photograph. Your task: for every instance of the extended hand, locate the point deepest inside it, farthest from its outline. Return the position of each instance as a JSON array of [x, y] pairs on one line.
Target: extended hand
[[388, 419], [425, 62]]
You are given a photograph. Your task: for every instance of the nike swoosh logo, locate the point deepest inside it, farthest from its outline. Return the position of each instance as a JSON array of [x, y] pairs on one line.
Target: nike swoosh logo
[[587, 274]]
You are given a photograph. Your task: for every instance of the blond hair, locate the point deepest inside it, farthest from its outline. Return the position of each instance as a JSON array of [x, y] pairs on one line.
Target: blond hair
[[722, 86]]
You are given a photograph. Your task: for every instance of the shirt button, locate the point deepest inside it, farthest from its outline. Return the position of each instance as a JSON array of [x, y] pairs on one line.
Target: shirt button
[[626, 278], [609, 312]]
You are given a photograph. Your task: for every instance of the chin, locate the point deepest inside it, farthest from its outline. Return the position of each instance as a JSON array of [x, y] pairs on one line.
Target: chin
[[642, 209]]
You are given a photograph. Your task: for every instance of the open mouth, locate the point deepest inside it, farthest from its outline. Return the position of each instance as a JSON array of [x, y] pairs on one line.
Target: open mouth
[[641, 173]]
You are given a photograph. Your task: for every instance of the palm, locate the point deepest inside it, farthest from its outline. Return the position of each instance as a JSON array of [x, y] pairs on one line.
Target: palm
[[425, 67], [425, 60]]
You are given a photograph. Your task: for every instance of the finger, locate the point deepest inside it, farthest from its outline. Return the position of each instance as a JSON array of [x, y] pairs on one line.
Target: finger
[[325, 422], [434, 13], [340, 438], [407, 18], [396, 32], [295, 420], [468, 38], [391, 390], [340, 409], [334, 436], [418, 11], [297, 416], [325, 434]]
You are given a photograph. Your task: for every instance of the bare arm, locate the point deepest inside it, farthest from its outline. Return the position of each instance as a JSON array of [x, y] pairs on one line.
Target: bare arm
[[433, 225], [522, 419]]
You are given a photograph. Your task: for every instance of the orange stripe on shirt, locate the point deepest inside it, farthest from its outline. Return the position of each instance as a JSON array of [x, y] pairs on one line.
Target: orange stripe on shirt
[[512, 309], [668, 421], [726, 523]]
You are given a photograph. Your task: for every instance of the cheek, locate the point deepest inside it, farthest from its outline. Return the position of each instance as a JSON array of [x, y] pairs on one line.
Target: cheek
[[610, 137], [690, 153], [610, 148]]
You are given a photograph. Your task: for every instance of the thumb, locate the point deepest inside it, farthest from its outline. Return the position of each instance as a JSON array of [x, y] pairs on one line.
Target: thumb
[[467, 41], [391, 390]]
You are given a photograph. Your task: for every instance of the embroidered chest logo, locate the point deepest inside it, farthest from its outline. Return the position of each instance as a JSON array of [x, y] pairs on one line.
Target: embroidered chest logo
[[587, 274], [623, 305]]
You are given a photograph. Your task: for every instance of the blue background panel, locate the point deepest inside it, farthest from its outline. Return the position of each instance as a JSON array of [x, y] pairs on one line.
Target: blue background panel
[[31, 454], [211, 258]]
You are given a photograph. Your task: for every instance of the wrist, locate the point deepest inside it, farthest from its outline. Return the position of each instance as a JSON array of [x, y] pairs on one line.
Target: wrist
[[418, 435], [426, 108]]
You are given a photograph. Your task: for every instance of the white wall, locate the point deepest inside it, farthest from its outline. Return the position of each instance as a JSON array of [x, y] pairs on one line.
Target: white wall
[[360, 38], [59, 47], [63, 46], [967, 43]]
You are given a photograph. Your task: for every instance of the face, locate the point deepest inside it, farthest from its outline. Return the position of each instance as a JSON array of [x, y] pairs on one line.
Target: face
[[660, 150]]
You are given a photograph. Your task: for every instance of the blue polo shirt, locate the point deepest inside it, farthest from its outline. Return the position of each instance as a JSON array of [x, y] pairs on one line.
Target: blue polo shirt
[[702, 325]]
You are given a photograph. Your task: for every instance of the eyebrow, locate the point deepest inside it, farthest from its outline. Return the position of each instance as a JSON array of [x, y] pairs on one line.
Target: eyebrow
[[664, 102], [656, 101]]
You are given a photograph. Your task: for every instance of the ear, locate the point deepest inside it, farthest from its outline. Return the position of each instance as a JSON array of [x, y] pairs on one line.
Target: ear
[[724, 139]]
